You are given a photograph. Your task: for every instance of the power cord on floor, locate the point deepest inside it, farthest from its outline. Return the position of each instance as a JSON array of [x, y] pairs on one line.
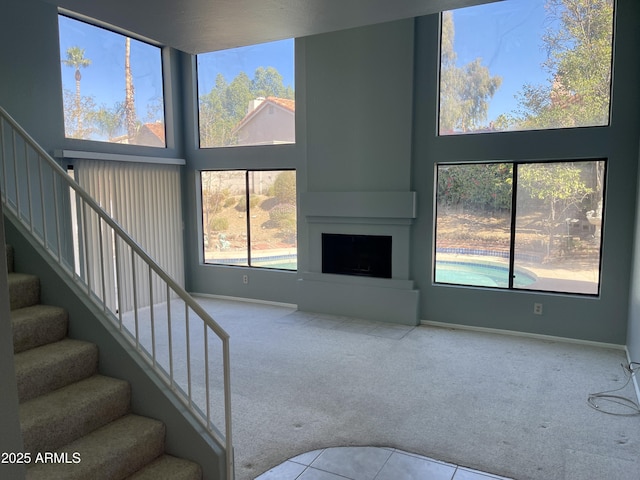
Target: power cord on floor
[[595, 400]]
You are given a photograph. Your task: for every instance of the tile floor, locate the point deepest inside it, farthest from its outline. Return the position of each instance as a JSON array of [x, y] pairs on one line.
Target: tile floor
[[369, 463]]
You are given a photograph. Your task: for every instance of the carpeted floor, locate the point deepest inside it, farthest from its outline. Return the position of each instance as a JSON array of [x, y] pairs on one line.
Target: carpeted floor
[[508, 405]]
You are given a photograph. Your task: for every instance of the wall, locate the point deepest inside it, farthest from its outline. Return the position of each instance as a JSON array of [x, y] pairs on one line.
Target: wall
[[30, 90], [11, 438], [30, 83], [371, 99], [359, 87], [633, 334], [602, 319], [351, 150], [268, 285], [31, 86]]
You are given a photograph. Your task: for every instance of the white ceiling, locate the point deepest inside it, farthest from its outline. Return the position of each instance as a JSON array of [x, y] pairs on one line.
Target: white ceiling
[[197, 26]]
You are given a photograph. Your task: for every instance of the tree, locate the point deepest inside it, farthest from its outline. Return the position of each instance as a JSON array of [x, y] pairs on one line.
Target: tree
[[78, 117], [267, 82], [284, 187], [76, 59], [109, 120], [129, 99], [226, 104], [464, 91], [477, 186], [578, 44], [560, 186]]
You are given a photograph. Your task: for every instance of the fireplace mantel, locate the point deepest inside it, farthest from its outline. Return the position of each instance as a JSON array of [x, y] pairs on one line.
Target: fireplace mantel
[[359, 205]]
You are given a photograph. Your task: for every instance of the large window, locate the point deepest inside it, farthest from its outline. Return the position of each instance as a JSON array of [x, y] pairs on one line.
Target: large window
[[526, 65], [532, 226], [246, 95], [112, 86], [249, 218]]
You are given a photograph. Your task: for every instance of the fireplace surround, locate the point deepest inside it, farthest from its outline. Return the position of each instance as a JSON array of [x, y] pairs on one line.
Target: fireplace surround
[[369, 274]]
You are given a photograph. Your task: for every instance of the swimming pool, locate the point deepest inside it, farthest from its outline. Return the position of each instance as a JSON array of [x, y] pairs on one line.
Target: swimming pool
[[480, 274]]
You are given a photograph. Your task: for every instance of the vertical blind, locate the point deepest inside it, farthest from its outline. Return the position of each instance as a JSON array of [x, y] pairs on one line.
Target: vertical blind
[[145, 200]]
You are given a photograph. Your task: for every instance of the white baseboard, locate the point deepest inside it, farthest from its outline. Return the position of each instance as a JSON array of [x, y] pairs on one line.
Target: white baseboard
[[243, 299], [514, 333]]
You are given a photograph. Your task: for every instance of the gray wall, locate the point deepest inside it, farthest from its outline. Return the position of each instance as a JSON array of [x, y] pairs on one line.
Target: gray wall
[[601, 319], [361, 133], [11, 438], [377, 141], [31, 86], [633, 335]]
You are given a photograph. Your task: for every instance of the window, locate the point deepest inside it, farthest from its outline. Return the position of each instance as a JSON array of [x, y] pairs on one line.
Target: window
[[249, 218], [526, 65], [531, 226], [111, 86], [246, 95]]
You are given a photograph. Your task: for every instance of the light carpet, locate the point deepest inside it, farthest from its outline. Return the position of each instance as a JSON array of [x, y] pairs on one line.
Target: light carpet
[[512, 406]]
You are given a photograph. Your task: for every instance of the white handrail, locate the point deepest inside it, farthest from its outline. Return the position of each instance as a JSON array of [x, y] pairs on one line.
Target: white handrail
[[16, 175]]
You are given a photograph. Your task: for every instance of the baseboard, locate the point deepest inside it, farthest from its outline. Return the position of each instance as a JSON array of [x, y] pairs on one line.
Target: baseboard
[[514, 333], [243, 299]]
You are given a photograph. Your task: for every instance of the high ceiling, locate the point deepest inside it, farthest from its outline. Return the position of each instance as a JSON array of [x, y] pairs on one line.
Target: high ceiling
[[197, 26]]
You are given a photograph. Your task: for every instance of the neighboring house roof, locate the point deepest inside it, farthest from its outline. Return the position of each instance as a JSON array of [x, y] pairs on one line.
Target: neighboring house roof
[[284, 103], [151, 134], [157, 129]]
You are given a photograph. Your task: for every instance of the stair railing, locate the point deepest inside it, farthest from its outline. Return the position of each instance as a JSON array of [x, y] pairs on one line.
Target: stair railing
[[169, 329]]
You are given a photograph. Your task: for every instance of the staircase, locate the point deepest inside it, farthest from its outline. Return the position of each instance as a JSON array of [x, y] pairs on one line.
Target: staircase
[[68, 411]]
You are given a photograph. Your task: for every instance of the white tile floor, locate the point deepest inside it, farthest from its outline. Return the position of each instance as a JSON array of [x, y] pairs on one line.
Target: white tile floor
[[369, 463]]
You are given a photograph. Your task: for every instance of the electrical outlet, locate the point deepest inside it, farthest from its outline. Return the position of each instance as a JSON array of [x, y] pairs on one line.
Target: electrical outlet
[[245, 279], [537, 308]]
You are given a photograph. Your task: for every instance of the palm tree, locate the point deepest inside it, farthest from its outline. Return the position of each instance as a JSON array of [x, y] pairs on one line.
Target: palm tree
[[76, 59], [129, 101]]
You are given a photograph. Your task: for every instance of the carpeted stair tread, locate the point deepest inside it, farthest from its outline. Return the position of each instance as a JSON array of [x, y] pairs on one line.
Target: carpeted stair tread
[[50, 367], [24, 290], [168, 467], [113, 452], [38, 325], [61, 416]]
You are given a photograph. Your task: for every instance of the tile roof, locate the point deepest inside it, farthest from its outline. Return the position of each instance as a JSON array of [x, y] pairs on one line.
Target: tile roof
[[287, 103], [157, 129]]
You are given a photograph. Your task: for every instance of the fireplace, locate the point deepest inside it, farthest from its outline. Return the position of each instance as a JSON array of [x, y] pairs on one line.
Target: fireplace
[[360, 255]]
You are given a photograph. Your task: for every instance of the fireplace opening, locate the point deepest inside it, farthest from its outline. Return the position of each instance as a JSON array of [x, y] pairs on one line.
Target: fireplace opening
[[361, 255]]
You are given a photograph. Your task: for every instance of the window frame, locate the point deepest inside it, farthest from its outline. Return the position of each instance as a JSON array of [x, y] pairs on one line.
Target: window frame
[[438, 129], [165, 85], [513, 229], [196, 89], [247, 194]]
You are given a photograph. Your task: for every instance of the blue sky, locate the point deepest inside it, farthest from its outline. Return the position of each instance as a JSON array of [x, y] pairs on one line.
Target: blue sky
[[230, 63], [104, 78], [507, 36]]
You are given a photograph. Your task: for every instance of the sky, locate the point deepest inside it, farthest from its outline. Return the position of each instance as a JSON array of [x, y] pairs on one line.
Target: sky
[[507, 37], [104, 79], [230, 63]]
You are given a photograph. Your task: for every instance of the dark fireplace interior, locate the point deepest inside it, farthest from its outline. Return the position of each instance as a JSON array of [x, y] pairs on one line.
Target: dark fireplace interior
[[361, 255]]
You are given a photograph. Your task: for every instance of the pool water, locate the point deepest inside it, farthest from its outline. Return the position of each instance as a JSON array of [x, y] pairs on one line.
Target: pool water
[[480, 274]]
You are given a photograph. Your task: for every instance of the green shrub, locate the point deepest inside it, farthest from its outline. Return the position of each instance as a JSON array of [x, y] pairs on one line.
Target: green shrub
[[219, 224], [284, 187], [282, 214], [254, 200]]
